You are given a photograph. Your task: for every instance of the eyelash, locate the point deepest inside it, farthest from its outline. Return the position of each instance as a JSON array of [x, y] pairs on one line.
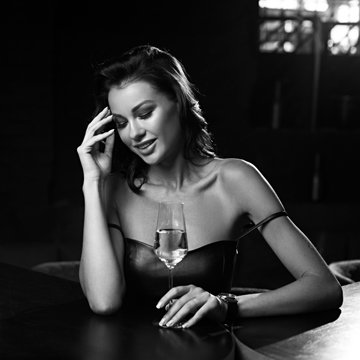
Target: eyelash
[[121, 123], [146, 115]]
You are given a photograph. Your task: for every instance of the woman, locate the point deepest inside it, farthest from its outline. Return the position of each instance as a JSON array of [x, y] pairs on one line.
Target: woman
[[161, 149]]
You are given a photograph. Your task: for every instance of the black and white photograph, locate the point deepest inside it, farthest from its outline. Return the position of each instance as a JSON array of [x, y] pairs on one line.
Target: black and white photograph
[[180, 180]]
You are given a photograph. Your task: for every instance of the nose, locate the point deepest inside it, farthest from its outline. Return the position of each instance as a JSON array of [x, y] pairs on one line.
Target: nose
[[136, 130]]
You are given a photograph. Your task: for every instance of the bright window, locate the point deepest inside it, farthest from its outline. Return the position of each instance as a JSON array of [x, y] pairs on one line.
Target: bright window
[[291, 26]]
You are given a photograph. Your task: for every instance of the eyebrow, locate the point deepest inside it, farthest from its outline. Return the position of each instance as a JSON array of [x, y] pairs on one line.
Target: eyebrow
[[135, 108]]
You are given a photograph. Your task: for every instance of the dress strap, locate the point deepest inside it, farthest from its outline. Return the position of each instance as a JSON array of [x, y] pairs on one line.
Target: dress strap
[[263, 222], [117, 227]]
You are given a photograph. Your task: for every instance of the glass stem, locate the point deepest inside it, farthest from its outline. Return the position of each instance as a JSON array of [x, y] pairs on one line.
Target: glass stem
[[171, 282]]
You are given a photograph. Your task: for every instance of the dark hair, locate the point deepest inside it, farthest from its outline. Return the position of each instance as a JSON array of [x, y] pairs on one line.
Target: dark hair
[[166, 74]]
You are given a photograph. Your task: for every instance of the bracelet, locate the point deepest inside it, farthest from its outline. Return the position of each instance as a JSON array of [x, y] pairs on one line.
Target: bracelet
[[232, 306]]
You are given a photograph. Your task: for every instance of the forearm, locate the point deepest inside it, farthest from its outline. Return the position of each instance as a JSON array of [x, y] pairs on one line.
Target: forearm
[[100, 273], [309, 293]]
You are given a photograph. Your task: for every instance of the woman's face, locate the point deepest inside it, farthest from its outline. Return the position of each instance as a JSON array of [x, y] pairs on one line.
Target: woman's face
[[147, 121]]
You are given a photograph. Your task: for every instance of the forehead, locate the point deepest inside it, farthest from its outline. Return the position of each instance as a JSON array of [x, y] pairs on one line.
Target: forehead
[[124, 98]]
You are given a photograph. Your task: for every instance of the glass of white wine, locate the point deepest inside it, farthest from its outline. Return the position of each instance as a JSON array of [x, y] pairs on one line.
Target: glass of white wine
[[170, 240]]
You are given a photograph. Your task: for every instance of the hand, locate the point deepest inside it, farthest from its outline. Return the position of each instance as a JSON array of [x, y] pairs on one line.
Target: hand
[[191, 300], [97, 164]]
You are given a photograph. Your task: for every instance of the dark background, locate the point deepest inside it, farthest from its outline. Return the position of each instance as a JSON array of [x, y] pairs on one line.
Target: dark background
[[49, 49]]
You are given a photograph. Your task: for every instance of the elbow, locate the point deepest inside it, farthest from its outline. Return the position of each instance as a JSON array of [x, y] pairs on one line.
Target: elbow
[[105, 305], [334, 296], [338, 296], [102, 302], [104, 308]]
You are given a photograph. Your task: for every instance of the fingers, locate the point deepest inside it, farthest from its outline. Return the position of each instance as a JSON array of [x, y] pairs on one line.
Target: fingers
[[104, 112], [97, 163], [91, 137], [173, 293], [181, 309], [89, 144], [100, 137], [99, 120], [199, 307], [208, 307], [93, 128], [109, 144], [195, 301]]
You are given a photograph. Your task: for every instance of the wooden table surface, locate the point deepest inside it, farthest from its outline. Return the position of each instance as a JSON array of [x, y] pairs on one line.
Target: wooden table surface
[[43, 317], [328, 335], [338, 337]]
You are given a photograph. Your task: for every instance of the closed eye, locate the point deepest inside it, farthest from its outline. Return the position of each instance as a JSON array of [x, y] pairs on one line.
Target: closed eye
[[145, 115], [119, 122]]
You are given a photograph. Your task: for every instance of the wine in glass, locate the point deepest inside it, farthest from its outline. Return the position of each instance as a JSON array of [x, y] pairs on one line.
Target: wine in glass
[[170, 241]]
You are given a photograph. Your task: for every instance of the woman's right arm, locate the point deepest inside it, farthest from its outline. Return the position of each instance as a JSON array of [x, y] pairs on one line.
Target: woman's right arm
[[101, 269]]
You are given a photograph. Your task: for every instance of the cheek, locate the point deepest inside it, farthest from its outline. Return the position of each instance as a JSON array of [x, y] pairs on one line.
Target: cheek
[[124, 137], [169, 124], [172, 130]]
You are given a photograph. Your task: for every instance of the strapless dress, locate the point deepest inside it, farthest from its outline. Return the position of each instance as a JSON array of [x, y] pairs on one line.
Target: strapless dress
[[209, 267]]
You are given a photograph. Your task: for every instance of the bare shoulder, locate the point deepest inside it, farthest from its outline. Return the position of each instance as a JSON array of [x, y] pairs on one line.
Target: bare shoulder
[[235, 177], [248, 187], [235, 170]]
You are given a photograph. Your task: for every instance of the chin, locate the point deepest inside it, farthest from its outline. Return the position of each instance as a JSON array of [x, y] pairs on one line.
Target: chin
[[155, 158], [151, 160]]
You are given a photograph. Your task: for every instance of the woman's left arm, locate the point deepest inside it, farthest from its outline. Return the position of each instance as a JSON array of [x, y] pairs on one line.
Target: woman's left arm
[[315, 288]]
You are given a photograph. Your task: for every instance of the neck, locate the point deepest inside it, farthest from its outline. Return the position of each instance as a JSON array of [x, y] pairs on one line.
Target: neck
[[172, 175]]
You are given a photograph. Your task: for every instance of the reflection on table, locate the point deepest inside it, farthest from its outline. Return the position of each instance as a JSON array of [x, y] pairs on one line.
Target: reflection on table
[[47, 317]]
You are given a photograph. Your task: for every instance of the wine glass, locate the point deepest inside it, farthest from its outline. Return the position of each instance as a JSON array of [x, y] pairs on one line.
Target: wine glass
[[170, 240]]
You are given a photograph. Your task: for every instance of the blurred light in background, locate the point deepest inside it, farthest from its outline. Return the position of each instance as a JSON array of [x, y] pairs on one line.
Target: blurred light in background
[[279, 4], [290, 26], [313, 5]]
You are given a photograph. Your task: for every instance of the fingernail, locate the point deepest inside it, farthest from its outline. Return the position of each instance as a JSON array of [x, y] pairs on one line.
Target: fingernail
[[162, 322], [158, 305], [184, 326], [170, 323]]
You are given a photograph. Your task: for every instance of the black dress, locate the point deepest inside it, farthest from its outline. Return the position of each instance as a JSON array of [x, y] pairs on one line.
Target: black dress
[[209, 267]]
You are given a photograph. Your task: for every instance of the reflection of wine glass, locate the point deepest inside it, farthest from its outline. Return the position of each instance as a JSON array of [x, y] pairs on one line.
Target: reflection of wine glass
[[170, 241]]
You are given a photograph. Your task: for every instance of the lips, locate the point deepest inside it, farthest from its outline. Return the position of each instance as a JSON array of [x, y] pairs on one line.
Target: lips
[[146, 147], [145, 144]]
